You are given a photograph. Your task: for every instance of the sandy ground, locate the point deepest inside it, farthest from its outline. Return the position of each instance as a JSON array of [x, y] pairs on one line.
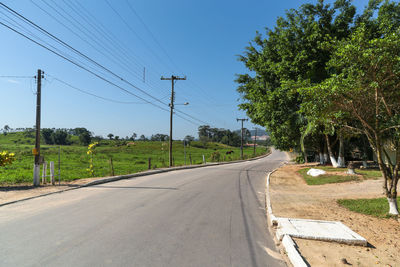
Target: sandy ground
[[292, 197], [23, 191]]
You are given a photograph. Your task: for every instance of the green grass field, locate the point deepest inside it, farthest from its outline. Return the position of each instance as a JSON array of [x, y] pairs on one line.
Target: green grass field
[[126, 159], [377, 207]]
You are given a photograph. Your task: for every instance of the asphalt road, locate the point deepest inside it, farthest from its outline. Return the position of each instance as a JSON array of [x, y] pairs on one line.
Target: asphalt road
[[213, 216]]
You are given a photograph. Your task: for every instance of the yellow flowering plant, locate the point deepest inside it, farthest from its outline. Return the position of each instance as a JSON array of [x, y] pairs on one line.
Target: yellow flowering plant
[[6, 158], [90, 152]]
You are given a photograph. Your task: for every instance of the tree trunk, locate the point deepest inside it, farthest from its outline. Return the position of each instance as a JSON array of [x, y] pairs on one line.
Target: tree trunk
[[365, 164], [321, 158], [305, 157], [321, 151], [325, 153], [393, 209], [390, 179], [331, 156], [341, 161]]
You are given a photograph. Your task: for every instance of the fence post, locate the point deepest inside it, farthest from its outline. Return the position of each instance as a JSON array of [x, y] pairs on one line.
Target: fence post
[[44, 180], [149, 163], [112, 166], [59, 165], [52, 172], [190, 158], [204, 160]]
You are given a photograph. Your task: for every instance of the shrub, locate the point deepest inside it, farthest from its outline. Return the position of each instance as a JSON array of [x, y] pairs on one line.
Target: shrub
[[215, 156]]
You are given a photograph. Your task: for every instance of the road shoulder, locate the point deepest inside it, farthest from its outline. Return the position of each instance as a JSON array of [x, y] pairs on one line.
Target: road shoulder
[[291, 197]]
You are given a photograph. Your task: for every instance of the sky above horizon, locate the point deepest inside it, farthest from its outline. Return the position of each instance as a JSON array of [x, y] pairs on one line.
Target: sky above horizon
[[139, 41]]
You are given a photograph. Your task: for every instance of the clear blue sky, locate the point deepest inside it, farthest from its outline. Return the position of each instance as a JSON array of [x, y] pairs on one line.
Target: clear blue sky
[[199, 39]]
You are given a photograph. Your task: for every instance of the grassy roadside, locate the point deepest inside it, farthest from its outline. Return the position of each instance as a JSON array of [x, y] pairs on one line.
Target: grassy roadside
[[126, 158], [325, 179], [377, 207], [330, 177]]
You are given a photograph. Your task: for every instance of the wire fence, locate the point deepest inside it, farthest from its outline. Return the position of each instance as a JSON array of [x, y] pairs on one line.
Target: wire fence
[[71, 163]]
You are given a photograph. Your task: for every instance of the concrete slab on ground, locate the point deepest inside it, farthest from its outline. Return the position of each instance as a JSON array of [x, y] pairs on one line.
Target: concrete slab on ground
[[318, 230]]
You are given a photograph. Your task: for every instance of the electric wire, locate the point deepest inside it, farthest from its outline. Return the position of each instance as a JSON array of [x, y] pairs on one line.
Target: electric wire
[[58, 53], [86, 57], [22, 28], [151, 34], [82, 67], [204, 94], [135, 13], [135, 33], [91, 94], [80, 28], [16, 77], [112, 44]]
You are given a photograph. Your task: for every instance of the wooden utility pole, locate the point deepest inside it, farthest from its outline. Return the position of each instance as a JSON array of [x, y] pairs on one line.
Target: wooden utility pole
[[171, 105], [36, 151], [255, 139], [241, 139]]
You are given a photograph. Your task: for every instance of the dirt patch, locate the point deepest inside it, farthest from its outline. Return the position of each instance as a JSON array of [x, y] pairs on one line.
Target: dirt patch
[[292, 197]]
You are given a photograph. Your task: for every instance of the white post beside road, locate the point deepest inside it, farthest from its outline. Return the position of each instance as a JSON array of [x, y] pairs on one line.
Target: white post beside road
[[52, 172], [44, 180], [36, 174]]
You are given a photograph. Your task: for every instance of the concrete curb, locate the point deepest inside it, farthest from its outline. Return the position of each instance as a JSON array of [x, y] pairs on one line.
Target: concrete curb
[[135, 175], [271, 217], [285, 235], [290, 247], [292, 252]]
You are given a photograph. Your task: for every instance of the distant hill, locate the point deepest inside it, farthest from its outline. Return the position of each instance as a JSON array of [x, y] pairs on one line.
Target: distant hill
[[260, 132]]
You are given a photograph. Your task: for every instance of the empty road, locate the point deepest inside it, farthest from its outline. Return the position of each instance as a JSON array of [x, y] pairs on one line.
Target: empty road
[[212, 216]]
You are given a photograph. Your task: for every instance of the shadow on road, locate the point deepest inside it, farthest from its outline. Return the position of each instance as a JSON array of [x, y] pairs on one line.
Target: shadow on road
[[134, 187]]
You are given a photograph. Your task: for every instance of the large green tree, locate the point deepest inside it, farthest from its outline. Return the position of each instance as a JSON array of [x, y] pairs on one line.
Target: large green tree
[[288, 56], [364, 90]]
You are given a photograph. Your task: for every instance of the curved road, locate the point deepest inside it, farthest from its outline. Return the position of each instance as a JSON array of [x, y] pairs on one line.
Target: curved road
[[212, 216]]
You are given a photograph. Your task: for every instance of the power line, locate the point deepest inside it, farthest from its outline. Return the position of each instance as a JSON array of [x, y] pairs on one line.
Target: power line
[[80, 28], [190, 116], [83, 55], [18, 25], [151, 34], [112, 58], [135, 13], [66, 57], [91, 94], [109, 41], [16, 77], [82, 67], [134, 32]]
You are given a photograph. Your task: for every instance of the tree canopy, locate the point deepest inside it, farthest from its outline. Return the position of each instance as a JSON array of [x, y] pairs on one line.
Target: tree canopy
[[289, 56], [327, 70]]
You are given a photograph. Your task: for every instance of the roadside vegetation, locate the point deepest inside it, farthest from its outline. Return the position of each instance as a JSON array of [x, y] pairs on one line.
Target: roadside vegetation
[[375, 207], [325, 83], [332, 175], [127, 156]]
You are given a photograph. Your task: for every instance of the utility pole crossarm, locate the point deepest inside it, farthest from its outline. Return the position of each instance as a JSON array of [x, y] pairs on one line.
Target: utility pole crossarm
[[173, 78]]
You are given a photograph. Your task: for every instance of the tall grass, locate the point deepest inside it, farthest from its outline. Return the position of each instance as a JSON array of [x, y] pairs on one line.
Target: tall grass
[[127, 158]]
